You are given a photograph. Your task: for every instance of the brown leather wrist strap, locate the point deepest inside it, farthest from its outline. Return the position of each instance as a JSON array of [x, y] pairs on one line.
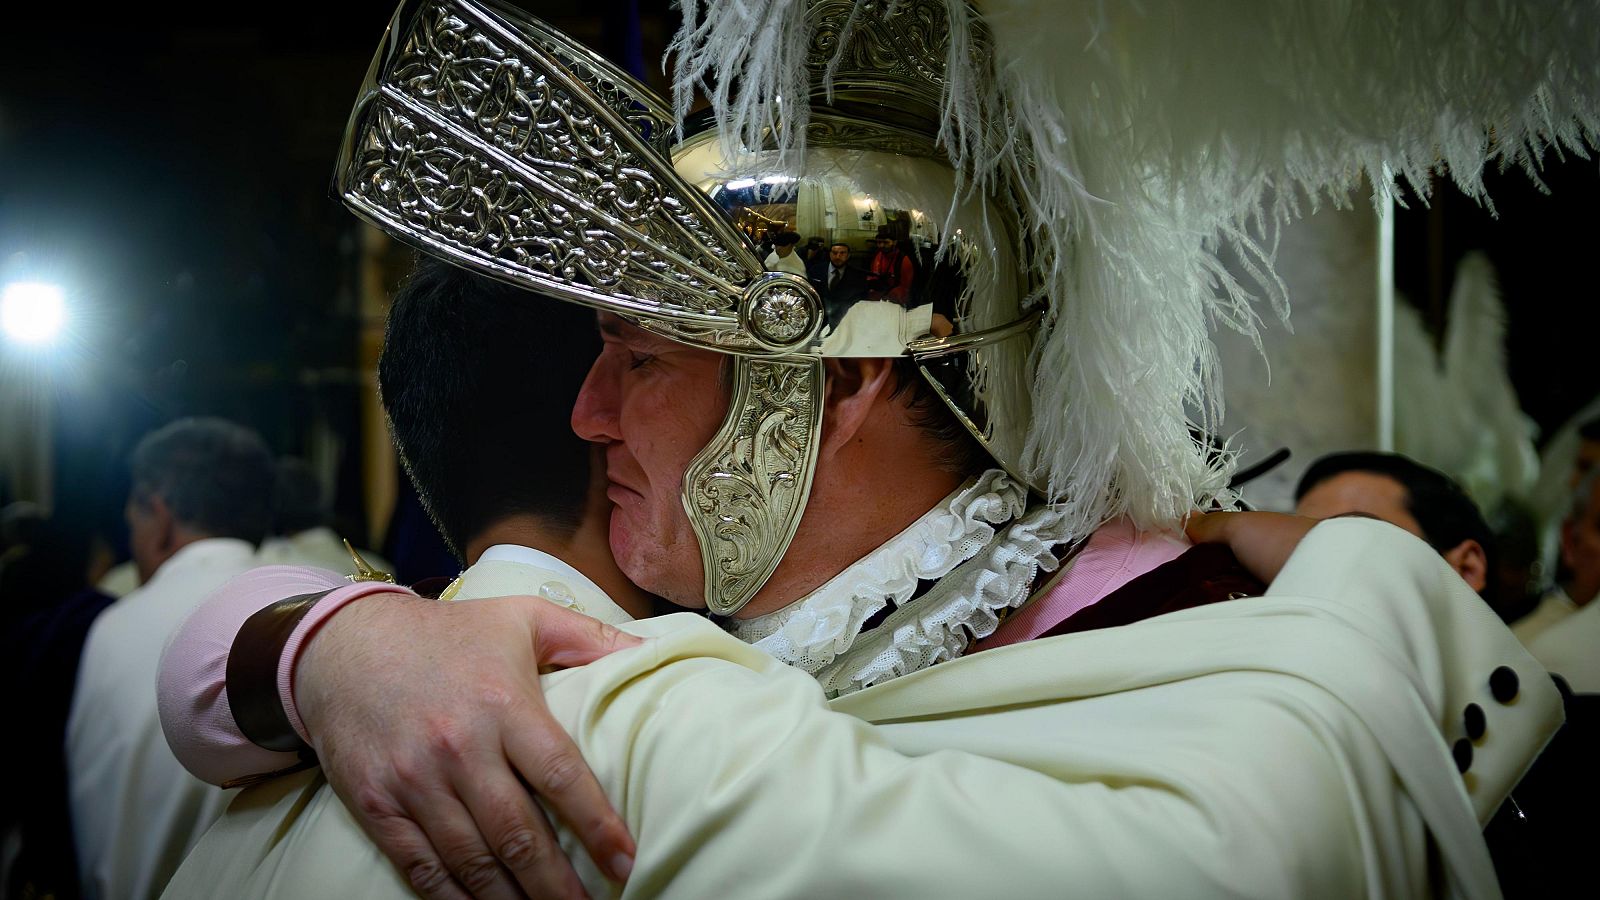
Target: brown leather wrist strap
[[253, 673]]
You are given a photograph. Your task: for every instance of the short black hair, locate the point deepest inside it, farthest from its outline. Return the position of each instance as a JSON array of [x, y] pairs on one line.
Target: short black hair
[[214, 475], [786, 239], [1442, 509], [1590, 430], [478, 379], [838, 244]]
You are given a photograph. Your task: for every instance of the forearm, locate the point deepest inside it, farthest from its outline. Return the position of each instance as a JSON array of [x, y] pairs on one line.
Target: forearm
[[192, 690]]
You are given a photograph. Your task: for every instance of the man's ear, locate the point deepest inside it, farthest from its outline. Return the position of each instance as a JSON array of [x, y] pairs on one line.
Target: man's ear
[[1470, 562], [855, 386]]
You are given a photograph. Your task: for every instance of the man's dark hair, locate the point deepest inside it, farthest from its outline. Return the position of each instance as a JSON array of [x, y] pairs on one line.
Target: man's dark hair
[[1590, 430], [838, 244], [214, 475], [1442, 509], [298, 502], [957, 450], [786, 239], [478, 379]]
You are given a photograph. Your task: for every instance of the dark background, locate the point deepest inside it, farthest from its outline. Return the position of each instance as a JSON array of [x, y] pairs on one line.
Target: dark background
[[1545, 247], [171, 171]]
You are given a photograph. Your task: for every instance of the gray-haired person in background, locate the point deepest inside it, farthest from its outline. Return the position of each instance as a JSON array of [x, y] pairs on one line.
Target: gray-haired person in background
[[1563, 632], [201, 502]]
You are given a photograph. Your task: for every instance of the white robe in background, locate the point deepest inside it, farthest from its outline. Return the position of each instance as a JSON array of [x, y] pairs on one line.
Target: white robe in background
[[135, 810], [1296, 745], [791, 263], [119, 580], [1571, 648], [1552, 610], [319, 547]]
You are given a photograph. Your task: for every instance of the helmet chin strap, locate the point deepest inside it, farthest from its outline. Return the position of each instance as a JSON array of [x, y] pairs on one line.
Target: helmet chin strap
[[746, 491]]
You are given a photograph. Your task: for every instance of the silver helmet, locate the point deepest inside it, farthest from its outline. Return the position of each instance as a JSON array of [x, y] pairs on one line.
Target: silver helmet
[[486, 138]]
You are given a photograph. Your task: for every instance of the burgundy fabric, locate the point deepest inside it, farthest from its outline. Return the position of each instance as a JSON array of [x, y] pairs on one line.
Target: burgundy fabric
[[1206, 573], [1117, 553], [431, 588]]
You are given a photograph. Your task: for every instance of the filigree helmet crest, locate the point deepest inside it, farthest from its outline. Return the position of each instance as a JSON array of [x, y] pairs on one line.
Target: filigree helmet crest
[[488, 139]]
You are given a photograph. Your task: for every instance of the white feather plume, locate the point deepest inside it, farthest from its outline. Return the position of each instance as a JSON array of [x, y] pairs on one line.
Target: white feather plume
[[1499, 437], [1144, 138], [1457, 410], [1428, 417]]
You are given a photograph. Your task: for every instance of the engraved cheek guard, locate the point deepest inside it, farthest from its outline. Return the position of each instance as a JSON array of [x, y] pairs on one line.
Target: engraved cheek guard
[[485, 138]]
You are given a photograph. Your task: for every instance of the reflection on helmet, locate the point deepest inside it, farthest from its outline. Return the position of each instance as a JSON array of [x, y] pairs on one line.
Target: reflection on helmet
[[488, 139], [900, 251]]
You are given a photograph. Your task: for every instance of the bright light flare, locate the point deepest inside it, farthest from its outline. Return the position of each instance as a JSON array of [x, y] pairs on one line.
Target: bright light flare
[[32, 312]]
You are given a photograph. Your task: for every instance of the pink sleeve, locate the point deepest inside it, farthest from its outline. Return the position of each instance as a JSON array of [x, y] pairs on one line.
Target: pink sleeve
[[192, 690]]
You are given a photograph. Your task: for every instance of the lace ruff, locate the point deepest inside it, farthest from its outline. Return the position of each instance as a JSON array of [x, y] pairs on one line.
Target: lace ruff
[[981, 544]]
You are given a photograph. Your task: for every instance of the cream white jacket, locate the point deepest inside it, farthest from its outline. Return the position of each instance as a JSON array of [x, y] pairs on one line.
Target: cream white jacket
[[1295, 745], [135, 810]]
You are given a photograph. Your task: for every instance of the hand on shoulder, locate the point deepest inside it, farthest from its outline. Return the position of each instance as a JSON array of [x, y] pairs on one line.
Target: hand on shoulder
[[1262, 541], [431, 748]]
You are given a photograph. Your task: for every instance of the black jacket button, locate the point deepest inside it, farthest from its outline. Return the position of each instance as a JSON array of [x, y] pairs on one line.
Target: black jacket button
[[1475, 721], [1503, 684], [1462, 751]]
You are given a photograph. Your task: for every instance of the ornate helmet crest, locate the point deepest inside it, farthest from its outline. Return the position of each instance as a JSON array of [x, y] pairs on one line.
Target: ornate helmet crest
[[487, 138]]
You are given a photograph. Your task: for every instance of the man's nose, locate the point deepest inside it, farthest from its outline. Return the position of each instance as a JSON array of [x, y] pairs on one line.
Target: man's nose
[[594, 415]]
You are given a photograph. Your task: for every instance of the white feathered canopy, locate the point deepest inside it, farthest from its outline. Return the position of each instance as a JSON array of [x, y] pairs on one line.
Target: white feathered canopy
[[1141, 138]]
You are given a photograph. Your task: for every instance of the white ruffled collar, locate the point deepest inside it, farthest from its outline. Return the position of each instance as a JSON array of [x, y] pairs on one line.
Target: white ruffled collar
[[982, 546]]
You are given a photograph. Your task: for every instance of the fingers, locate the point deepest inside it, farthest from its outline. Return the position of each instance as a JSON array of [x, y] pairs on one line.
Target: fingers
[[1262, 541], [406, 847], [467, 862], [554, 768], [439, 793], [564, 638], [516, 830], [1208, 528], [438, 845]]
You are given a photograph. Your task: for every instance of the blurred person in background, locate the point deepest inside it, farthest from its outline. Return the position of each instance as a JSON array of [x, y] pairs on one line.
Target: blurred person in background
[[46, 575], [1403, 492], [201, 502], [1533, 838], [42, 560], [1518, 577], [816, 251], [837, 282], [891, 272], [302, 532], [1563, 633], [783, 257]]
